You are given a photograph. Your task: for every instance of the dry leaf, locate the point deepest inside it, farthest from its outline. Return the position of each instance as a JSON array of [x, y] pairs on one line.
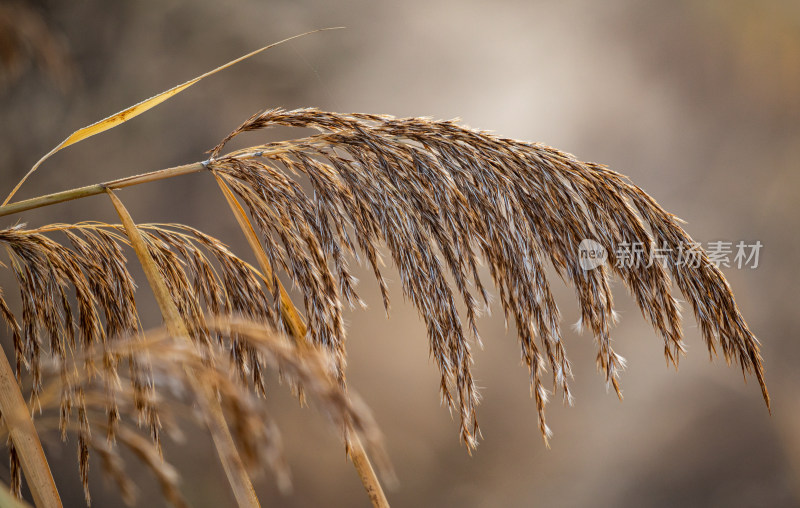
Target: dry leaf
[[137, 109]]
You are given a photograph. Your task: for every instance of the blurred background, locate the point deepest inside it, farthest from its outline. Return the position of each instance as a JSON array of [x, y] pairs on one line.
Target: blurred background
[[698, 101]]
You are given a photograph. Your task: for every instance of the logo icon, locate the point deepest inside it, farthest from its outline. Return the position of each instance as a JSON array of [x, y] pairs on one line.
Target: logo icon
[[591, 254]]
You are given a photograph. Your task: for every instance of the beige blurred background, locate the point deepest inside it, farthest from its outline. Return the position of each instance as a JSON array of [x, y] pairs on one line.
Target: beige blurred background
[[697, 101]]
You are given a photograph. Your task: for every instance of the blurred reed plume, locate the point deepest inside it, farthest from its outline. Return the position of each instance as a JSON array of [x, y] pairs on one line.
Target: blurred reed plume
[[157, 394], [25, 39], [441, 200]]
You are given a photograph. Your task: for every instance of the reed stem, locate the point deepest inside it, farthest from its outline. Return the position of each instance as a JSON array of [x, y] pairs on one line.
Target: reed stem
[[152, 176], [23, 434], [100, 188]]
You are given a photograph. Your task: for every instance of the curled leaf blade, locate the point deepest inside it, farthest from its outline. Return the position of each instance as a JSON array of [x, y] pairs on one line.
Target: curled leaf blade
[[137, 109]]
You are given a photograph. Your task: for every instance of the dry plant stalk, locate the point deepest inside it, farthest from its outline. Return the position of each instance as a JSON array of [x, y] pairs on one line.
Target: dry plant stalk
[[441, 199], [297, 330], [242, 487]]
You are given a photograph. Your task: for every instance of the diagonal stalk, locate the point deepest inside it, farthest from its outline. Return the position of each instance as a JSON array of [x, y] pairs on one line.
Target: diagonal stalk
[[289, 312], [22, 432], [152, 176], [294, 323], [223, 440], [100, 188]]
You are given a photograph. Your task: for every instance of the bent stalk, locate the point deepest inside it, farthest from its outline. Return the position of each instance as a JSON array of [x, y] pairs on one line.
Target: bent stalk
[[297, 329], [223, 440]]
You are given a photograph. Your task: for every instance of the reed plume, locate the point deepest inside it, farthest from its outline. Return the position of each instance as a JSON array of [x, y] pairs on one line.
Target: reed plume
[[443, 201], [26, 38], [95, 270]]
